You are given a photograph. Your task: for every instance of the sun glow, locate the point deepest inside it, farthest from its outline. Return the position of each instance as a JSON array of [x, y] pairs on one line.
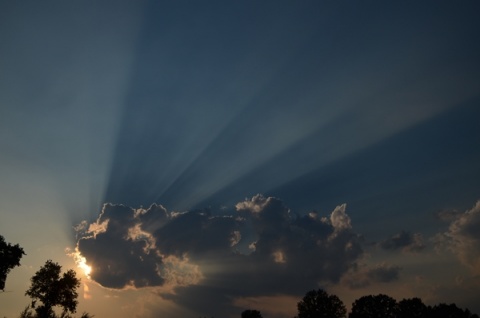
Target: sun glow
[[81, 262], [86, 268]]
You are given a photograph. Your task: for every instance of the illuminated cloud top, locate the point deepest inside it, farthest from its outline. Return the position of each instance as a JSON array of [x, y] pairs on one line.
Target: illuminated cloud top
[[262, 245]]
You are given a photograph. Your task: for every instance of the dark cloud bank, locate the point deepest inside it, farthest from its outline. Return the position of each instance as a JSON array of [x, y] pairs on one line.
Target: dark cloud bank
[[259, 249], [405, 241]]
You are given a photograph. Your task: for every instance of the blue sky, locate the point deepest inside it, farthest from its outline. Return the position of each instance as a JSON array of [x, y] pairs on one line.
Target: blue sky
[[246, 123]]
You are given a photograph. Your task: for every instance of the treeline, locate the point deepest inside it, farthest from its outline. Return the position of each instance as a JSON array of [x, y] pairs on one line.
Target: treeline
[[319, 304]]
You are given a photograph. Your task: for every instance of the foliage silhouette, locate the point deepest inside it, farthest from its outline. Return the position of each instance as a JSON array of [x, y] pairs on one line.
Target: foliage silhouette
[[52, 289], [318, 304], [251, 313], [449, 311], [385, 306], [379, 306], [27, 313], [10, 256], [412, 308]]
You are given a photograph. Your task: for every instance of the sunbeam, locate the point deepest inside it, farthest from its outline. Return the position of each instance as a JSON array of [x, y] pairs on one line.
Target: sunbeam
[[199, 157]]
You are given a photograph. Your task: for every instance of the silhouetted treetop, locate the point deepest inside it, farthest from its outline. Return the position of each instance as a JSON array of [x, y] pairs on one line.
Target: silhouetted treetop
[[412, 308], [379, 306], [10, 256], [318, 304], [251, 313], [52, 289], [449, 311]]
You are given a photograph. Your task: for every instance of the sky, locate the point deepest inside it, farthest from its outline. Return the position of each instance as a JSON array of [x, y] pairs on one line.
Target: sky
[[200, 158]]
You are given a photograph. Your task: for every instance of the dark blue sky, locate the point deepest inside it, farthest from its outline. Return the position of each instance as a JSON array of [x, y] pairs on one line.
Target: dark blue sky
[[320, 105]]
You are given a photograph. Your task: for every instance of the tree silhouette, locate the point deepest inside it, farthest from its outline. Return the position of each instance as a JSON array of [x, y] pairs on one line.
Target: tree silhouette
[[412, 308], [449, 311], [250, 313], [318, 304], [27, 313], [10, 256], [379, 306], [53, 290]]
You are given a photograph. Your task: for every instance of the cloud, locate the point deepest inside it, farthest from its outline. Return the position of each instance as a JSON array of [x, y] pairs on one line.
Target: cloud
[[254, 205], [447, 215], [405, 241], [362, 276], [384, 273], [260, 249], [117, 257], [463, 238], [339, 218]]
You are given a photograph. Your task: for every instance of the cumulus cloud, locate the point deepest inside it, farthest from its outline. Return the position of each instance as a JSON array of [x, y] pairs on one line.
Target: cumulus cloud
[[463, 238], [404, 241], [260, 249], [117, 258], [254, 205], [339, 218]]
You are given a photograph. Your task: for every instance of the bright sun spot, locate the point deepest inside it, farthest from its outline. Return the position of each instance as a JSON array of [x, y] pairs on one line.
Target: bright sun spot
[[81, 263], [86, 268]]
